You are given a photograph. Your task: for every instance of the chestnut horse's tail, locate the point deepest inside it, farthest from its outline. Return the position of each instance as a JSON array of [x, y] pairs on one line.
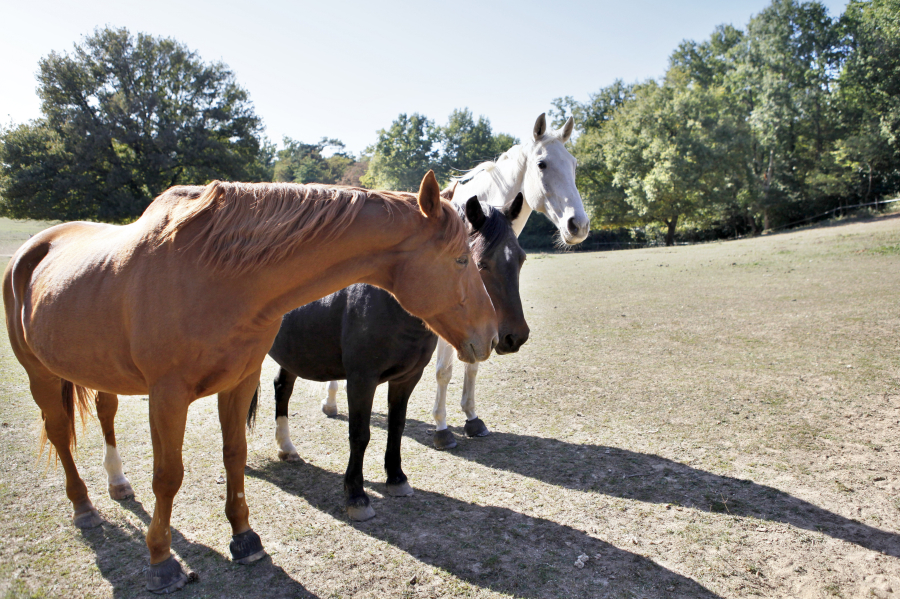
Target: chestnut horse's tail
[[254, 405], [75, 398]]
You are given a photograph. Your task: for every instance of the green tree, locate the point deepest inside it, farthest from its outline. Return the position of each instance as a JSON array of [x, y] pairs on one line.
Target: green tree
[[670, 151], [403, 154], [306, 163], [466, 143], [125, 117]]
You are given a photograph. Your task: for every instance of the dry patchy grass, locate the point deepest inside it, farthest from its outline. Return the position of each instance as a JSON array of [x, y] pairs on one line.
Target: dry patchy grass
[[706, 421]]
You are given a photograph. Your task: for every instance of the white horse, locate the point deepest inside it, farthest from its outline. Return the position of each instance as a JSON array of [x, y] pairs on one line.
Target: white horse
[[543, 171]]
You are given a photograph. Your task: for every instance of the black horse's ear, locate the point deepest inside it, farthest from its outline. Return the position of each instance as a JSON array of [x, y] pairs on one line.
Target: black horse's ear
[[512, 210], [474, 213]]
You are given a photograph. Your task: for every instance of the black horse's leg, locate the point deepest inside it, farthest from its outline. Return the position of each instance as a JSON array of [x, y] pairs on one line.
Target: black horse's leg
[[284, 386], [398, 398], [360, 393]]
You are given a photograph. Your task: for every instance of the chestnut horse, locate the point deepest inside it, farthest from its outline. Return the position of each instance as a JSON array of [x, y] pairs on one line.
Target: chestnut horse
[[186, 301]]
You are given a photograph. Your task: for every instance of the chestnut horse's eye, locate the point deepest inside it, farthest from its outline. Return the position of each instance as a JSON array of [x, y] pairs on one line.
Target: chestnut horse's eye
[[542, 165], [463, 261]]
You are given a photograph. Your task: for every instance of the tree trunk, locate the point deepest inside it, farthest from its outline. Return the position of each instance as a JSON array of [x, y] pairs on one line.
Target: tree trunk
[[670, 234]]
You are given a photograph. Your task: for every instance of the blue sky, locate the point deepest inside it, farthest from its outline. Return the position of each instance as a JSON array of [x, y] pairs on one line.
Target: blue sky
[[346, 69]]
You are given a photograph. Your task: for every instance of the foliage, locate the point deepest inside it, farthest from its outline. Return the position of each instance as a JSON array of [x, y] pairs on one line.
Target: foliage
[[299, 162], [797, 114], [125, 117], [413, 145]]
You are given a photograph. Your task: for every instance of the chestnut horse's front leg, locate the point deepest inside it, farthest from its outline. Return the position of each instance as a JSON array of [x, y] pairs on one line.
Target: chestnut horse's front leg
[[246, 546], [168, 417]]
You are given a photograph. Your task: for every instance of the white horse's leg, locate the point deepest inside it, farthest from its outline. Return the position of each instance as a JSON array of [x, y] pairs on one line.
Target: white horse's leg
[[329, 404], [443, 438], [286, 449], [475, 427]]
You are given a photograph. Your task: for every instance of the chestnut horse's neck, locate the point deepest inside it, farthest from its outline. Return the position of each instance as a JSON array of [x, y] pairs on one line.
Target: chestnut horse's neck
[[369, 250]]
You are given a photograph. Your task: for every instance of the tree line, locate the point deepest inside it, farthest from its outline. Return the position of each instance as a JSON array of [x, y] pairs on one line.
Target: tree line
[[750, 129]]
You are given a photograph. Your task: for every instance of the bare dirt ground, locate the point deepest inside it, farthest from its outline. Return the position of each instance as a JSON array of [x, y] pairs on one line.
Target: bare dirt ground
[[708, 421]]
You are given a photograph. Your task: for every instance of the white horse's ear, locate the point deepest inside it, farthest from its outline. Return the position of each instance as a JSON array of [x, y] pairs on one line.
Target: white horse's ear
[[566, 131], [540, 126], [447, 194]]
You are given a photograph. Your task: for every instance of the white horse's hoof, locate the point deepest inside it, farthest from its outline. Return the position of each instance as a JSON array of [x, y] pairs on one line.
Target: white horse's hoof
[[89, 519], [360, 513], [329, 410], [444, 439], [120, 492], [400, 490], [291, 456]]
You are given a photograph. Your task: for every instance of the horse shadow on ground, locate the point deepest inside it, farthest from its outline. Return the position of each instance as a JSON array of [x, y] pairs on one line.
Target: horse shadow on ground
[[489, 547], [122, 559], [650, 478]]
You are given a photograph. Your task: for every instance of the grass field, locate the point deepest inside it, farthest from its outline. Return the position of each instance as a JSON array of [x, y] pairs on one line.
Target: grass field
[[708, 421]]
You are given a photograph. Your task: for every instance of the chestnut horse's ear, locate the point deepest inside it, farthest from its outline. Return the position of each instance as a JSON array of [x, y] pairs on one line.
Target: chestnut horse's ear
[[540, 126], [512, 210], [474, 213], [430, 197], [447, 194]]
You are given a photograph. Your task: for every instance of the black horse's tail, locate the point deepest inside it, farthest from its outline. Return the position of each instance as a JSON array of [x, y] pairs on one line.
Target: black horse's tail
[[251, 413]]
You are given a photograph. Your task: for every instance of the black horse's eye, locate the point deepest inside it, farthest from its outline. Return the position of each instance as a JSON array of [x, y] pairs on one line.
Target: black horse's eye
[[542, 165], [463, 261], [481, 265]]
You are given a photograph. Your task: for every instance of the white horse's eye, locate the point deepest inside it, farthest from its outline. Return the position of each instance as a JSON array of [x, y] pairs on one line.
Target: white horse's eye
[[542, 165]]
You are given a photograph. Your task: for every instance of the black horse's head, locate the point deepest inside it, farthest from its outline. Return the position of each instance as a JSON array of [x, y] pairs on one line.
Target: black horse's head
[[499, 257]]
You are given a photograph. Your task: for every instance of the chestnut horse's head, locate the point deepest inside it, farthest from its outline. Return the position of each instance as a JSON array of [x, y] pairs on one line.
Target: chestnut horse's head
[[439, 280]]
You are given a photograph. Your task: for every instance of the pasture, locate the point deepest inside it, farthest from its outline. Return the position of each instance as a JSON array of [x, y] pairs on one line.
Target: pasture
[[707, 421]]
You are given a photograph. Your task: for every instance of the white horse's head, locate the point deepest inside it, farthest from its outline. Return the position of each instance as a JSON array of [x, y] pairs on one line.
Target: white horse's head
[[549, 184]]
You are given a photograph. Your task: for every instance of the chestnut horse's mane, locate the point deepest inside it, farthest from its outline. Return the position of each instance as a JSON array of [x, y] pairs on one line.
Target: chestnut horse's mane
[[246, 226]]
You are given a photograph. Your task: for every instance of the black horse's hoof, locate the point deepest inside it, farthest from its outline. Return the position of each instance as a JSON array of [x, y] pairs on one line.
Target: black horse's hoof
[[166, 577], [246, 548], [476, 428], [444, 439]]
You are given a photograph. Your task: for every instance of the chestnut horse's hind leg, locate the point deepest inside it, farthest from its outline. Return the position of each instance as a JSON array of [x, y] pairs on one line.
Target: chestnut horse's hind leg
[[119, 487], [246, 546], [168, 416], [47, 392], [398, 399], [284, 386]]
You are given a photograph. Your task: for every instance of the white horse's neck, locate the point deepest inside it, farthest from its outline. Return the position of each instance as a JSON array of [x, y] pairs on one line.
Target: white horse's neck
[[498, 184]]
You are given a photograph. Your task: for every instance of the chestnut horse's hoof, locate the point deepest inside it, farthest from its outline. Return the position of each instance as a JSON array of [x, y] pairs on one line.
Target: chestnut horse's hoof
[[400, 489], [293, 456], [476, 428], [88, 519], [328, 409], [444, 439], [166, 577], [120, 492], [246, 547]]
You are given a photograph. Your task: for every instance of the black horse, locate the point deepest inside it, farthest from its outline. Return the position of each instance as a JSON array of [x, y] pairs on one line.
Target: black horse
[[363, 335]]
